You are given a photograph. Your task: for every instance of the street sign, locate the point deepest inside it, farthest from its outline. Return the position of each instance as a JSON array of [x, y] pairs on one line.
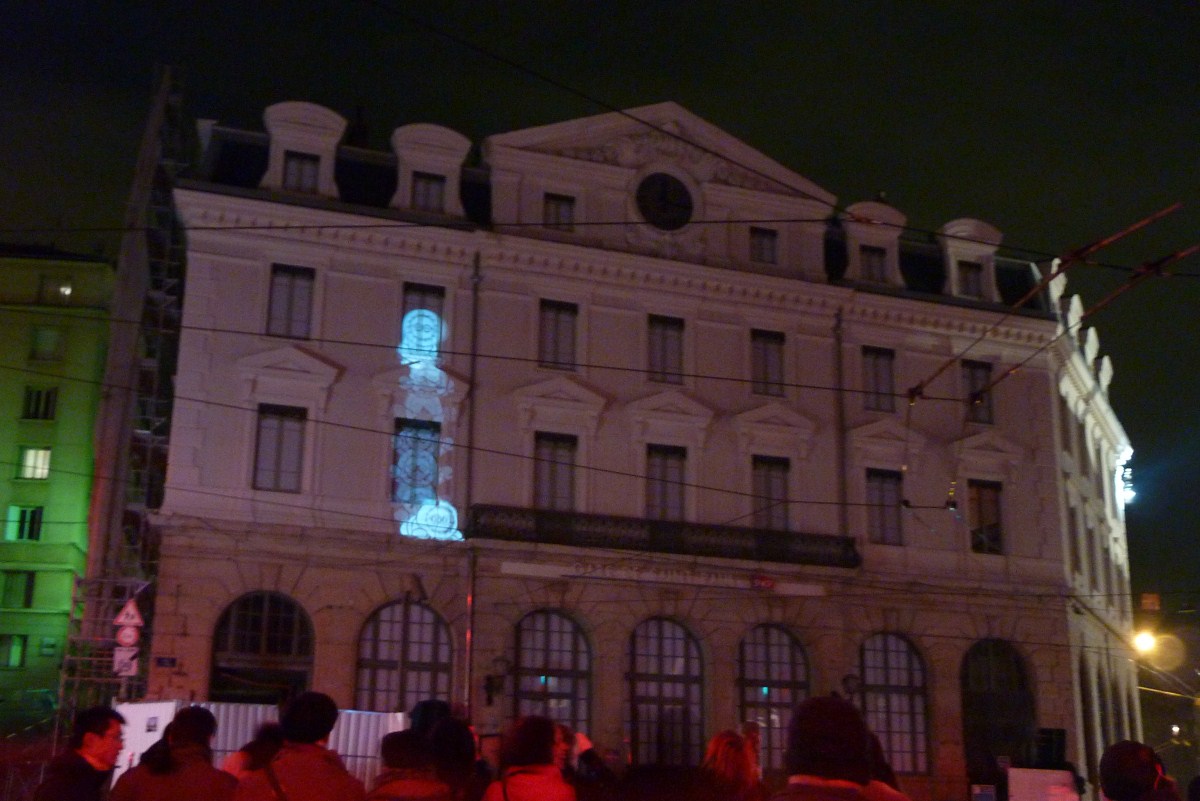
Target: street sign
[[129, 615], [128, 636], [125, 661]]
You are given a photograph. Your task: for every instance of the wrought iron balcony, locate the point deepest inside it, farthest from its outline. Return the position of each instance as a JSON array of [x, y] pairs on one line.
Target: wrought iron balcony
[[660, 536]]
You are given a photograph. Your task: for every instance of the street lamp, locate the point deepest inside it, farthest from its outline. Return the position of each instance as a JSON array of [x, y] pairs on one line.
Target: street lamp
[[1144, 642]]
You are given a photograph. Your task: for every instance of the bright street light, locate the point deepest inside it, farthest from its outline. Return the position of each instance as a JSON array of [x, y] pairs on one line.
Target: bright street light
[[1144, 642]]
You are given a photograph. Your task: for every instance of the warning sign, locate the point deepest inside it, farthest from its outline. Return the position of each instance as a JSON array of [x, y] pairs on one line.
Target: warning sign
[[129, 615], [125, 661]]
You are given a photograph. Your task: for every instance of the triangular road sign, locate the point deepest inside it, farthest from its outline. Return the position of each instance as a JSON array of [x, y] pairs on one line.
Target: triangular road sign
[[129, 615]]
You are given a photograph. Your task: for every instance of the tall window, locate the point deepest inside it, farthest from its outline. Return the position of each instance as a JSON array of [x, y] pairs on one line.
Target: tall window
[[41, 403], [873, 261], [764, 245], [422, 325], [554, 669], [279, 457], [33, 463], [262, 650], [404, 656], [766, 362], [983, 513], [879, 379], [893, 700], [770, 479], [12, 650], [46, 343], [554, 471], [976, 377], [556, 334], [970, 279], [558, 212], [884, 496], [666, 471], [998, 708], [290, 309], [23, 523], [772, 680], [16, 589], [300, 171], [665, 358], [417, 444], [429, 192], [665, 685]]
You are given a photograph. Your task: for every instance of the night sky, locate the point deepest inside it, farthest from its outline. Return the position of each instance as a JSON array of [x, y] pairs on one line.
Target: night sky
[[1057, 122]]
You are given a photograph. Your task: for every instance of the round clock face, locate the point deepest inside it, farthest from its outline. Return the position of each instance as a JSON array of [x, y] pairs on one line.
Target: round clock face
[[664, 201]]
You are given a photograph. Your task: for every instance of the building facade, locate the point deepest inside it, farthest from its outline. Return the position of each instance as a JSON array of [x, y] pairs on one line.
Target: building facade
[[54, 313], [630, 425]]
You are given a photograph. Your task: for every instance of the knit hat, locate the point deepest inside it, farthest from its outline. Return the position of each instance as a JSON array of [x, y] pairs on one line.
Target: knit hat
[[1128, 770], [828, 738]]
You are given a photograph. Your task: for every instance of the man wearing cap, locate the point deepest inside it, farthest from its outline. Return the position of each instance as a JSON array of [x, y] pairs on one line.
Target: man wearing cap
[[828, 752]]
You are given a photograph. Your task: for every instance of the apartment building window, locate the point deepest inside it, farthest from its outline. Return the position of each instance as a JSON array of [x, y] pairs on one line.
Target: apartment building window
[[554, 471], [404, 656], [766, 363], [12, 650], [666, 470], [46, 343], [33, 463], [554, 669], [1073, 545], [976, 378], [417, 445], [873, 262], [983, 513], [290, 306], [772, 680], [262, 650], [54, 290], [665, 686], [764, 245], [556, 334], [893, 700], [558, 212], [770, 480], [884, 498], [279, 455], [41, 403], [665, 358], [422, 325], [970, 279], [300, 171], [429, 192], [16, 589], [879, 379], [23, 523]]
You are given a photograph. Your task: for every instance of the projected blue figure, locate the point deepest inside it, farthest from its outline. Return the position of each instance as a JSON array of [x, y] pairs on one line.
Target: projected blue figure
[[418, 472]]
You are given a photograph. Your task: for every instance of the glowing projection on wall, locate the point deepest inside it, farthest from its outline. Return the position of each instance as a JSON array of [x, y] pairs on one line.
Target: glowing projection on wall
[[420, 445]]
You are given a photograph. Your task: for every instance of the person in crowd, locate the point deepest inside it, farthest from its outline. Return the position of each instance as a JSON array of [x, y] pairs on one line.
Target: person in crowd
[[1131, 771], [182, 771], [83, 771], [527, 768], [828, 752], [883, 785], [304, 769], [752, 731], [456, 753], [254, 755], [727, 772], [427, 714], [591, 778], [564, 748], [410, 771]]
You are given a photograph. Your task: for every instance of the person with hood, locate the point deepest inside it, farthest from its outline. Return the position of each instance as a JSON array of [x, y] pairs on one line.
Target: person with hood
[[182, 771], [83, 771]]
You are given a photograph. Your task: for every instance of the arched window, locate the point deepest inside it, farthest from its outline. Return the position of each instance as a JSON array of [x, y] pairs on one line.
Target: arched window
[[997, 709], [894, 702], [554, 665], [262, 650], [665, 682], [772, 679], [404, 656]]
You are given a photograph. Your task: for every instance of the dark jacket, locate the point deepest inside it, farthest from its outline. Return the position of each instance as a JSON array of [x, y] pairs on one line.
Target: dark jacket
[[191, 778], [819, 790], [70, 777], [306, 772], [398, 784]]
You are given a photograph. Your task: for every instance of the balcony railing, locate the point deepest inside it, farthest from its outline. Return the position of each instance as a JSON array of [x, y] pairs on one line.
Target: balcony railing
[[660, 536]]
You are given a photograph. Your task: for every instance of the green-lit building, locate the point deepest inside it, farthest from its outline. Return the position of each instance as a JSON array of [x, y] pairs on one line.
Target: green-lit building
[[53, 334]]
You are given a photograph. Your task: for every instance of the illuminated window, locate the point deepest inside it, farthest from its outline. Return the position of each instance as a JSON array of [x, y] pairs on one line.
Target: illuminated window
[[883, 507], [879, 387], [665, 688], [970, 279], [556, 334], [558, 212], [873, 262], [553, 670], [46, 344], [665, 357], [666, 471], [300, 171], [554, 471], [41, 403], [770, 479], [12, 650], [772, 680], [764, 245], [262, 650], [54, 290], [983, 513], [976, 377], [404, 656], [23, 523], [16, 589], [417, 444], [290, 312], [428, 192], [893, 700], [34, 463], [279, 458], [766, 362], [421, 328]]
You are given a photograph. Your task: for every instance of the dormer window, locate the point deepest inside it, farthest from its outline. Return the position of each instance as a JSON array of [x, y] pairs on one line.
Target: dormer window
[[874, 264], [764, 246], [429, 192], [970, 279], [300, 171], [558, 212]]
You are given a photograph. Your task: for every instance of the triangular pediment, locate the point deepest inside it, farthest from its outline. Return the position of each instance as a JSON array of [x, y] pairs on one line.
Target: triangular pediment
[[671, 404], [561, 404], [291, 364], [774, 429], [886, 441], [990, 447]]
